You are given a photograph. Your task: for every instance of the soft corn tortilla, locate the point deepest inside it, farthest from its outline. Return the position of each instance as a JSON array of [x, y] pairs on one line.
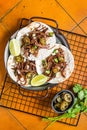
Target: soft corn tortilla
[[43, 54]]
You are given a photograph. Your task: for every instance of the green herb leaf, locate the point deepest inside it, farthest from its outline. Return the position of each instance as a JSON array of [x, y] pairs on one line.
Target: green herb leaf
[[76, 100], [81, 95], [77, 88], [85, 101], [85, 91], [85, 110], [70, 110], [76, 110]]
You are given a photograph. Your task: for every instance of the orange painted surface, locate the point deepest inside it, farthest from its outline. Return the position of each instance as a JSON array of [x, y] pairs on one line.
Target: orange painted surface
[[10, 13]]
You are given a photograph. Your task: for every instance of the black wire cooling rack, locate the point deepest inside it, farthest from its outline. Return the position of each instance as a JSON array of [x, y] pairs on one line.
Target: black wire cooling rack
[[11, 98]]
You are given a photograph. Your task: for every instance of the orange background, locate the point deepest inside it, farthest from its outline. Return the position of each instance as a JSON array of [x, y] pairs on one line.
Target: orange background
[[67, 15]]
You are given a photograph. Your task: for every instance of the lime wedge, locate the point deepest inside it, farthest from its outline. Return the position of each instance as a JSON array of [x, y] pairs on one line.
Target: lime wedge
[[14, 47], [39, 80]]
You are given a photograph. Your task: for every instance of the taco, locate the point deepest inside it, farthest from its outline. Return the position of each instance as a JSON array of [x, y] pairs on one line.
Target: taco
[[57, 63], [21, 70], [34, 37]]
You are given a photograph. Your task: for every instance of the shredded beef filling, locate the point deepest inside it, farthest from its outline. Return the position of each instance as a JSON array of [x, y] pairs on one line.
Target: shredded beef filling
[[54, 63], [32, 42], [24, 70]]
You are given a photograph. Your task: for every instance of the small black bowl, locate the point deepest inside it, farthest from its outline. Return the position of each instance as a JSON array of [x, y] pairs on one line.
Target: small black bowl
[[58, 94]]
